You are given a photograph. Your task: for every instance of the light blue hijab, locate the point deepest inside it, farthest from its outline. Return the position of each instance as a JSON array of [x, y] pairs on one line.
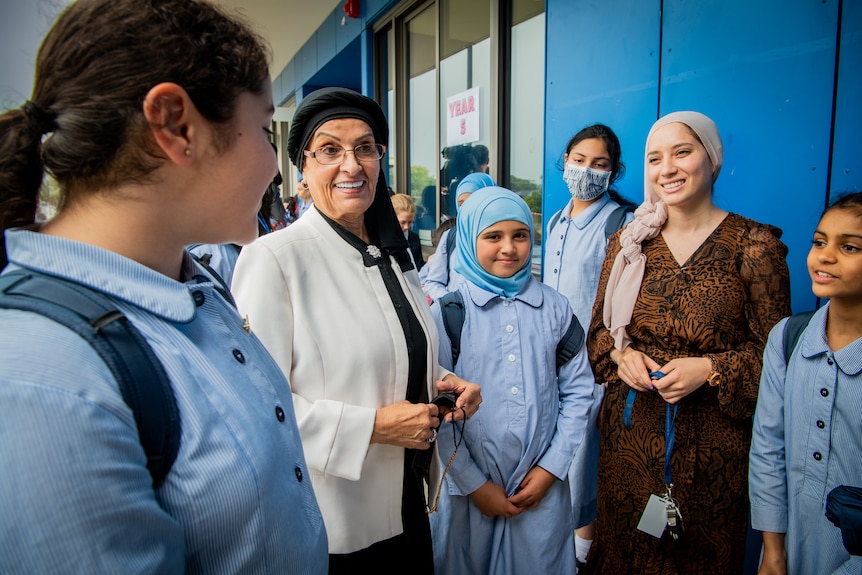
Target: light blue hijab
[[481, 210], [471, 183]]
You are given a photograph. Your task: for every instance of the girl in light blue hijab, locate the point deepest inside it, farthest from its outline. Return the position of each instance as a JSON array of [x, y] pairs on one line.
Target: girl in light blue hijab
[[506, 489], [481, 210]]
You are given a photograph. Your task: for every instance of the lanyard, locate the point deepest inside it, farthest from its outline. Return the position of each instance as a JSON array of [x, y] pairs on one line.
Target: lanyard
[[669, 431], [669, 435]]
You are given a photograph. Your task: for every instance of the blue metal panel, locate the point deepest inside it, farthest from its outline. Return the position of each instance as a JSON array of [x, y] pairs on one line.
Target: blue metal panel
[[325, 37], [847, 143], [306, 62], [602, 63], [346, 29], [766, 79]]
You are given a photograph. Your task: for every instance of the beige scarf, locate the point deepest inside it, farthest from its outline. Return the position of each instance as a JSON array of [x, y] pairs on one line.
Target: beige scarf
[[627, 273]]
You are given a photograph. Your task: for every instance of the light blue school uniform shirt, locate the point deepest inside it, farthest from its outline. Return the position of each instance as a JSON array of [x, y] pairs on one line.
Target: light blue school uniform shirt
[[441, 277], [574, 253], [807, 440], [528, 417], [77, 496]]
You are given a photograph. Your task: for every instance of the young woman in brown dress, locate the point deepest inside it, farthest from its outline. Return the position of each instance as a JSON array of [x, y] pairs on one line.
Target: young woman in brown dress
[[690, 291]]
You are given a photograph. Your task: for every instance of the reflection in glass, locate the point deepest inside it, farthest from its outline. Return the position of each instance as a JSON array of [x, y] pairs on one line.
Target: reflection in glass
[[465, 63], [421, 103], [526, 116]]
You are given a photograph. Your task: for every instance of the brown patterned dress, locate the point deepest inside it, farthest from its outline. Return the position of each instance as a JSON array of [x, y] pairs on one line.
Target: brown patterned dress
[[723, 302]]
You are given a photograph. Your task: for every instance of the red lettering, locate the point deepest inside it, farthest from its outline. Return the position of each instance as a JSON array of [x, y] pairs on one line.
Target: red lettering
[[463, 127], [452, 113], [471, 104]]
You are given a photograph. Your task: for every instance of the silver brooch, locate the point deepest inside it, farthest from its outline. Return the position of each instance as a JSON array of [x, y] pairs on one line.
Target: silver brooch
[[373, 251]]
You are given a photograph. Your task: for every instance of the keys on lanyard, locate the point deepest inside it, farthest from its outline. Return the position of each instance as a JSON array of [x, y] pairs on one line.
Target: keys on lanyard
[[674, 515]]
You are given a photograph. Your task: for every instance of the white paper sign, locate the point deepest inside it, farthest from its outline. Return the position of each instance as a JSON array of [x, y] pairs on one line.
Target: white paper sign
[[462, 117]]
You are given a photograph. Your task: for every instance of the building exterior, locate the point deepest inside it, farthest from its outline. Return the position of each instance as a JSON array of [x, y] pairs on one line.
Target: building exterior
[[781, 78]]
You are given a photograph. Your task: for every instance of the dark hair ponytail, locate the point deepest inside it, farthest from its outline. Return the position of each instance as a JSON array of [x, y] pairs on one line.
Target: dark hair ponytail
[[93, 72], [21, 172]]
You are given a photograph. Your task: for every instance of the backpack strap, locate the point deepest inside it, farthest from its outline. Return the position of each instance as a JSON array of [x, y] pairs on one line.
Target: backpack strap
[[570, 344], [617, 219], [451, 239], [452, 308], [793, 329], [140, 376]]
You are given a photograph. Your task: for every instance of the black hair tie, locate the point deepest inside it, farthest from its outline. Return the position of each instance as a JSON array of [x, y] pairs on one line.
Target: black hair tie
[[39, 117]]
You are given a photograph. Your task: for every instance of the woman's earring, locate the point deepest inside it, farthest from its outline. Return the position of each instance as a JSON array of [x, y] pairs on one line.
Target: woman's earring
[[305, 184], [188, 152]]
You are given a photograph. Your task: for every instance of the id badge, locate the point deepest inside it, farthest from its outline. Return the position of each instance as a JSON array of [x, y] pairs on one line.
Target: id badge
[[654, 518]]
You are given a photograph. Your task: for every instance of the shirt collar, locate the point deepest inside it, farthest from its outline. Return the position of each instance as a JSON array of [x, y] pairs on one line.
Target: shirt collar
[[813, 343], [584, 218], [108, 272], [531, 295]]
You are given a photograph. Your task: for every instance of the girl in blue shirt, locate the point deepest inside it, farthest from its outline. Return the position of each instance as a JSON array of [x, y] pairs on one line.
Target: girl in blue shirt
[[153, 119], [575, 247], [505, 505], [807, 437]]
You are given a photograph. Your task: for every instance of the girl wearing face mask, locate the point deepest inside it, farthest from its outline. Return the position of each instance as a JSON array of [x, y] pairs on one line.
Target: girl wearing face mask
[[575, 249]]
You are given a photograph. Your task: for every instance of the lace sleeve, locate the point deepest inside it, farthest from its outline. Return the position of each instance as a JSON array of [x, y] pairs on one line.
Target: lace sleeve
[[763, 269]]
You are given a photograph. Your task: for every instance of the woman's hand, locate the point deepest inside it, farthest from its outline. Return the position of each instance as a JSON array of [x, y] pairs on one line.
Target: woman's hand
[[533, 488], [682, 376], [469, 396], [492, 502], [406, 424], [634, 367]]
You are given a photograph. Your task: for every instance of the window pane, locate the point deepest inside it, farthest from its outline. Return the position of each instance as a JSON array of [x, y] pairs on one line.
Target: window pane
[[523, 10], [526, 118], [465, 82], [463, 23], [422, 122]]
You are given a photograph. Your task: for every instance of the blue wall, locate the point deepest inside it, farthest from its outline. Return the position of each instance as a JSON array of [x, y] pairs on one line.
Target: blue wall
[[337, 54], [764, 71]]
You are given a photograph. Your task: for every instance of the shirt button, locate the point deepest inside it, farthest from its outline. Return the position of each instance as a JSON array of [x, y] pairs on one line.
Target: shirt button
[[824, 392], [511, 357], [555, 270], [199, 298], [558, 253], [829, 361], [237, 355], [298, 472], [510, 329], [820, 424], [817, 456], [506, 303], [514, 391], [279, 413]]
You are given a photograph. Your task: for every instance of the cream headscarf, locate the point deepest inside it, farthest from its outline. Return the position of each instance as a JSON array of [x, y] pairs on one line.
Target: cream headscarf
[[627, 273]]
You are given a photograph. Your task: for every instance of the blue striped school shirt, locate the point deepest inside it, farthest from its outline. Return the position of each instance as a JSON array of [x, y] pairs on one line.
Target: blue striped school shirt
[[76, 495], [807, 440]]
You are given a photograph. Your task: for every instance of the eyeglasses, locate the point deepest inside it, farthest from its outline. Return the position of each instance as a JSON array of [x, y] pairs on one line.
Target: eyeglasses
[[328, 155]]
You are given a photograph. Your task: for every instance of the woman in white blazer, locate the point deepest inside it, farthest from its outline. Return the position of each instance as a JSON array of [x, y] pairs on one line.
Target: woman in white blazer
[[336, 300]]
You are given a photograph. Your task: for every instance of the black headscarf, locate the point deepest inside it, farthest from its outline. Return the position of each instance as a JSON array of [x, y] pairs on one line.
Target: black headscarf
[[335, 103]]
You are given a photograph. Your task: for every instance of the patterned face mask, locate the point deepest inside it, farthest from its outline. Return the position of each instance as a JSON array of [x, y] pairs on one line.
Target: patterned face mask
[[586, 183]]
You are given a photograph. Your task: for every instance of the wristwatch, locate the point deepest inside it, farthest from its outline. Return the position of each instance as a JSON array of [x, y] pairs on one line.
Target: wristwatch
[[714, 377]]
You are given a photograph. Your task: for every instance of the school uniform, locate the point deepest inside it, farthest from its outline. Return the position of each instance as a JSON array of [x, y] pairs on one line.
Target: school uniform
[[807, 441], [529, 417], [238, 498]]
